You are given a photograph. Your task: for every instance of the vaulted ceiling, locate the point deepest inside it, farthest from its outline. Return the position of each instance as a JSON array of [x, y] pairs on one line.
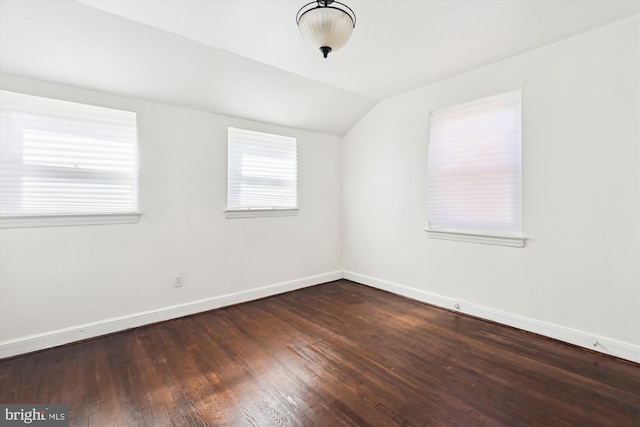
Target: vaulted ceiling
[[245, 58]]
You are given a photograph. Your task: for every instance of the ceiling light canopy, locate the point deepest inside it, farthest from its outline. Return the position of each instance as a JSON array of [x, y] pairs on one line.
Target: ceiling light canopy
[[326, 24]]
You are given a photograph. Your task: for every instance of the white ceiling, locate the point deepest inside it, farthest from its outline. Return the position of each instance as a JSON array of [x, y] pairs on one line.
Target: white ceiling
[[245, 58], [397, 44]]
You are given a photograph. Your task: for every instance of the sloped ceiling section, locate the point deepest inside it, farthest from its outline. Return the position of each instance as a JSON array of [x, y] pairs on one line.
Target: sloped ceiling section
[[398, 45], [73, 44], [245, 58]]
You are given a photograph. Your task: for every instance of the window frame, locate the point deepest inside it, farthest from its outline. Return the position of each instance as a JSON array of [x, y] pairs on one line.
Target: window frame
[[258, 211], [83, 175], [479, 235]]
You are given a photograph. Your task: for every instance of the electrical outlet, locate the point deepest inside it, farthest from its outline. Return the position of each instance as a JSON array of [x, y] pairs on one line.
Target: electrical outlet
[[178, 280]]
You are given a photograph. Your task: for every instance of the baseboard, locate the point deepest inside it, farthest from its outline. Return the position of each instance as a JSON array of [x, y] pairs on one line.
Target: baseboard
[[606, 345], [58, 337]]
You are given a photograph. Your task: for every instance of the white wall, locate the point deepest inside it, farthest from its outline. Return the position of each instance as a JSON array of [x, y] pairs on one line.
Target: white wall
[[62, 277], [579, 271]]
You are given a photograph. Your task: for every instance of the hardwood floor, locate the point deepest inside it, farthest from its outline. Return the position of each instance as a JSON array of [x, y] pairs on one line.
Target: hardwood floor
[[331, 355]]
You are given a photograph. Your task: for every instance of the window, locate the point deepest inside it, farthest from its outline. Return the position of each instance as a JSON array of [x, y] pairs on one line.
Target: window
[[474, 171], [262, 174], [64, 163]]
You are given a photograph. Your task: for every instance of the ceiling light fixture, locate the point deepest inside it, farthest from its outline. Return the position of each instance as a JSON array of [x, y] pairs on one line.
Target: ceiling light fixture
[[327, 25]]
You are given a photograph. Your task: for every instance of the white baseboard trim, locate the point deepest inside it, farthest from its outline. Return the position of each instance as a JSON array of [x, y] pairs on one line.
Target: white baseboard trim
[[58, 337], [606, 345]]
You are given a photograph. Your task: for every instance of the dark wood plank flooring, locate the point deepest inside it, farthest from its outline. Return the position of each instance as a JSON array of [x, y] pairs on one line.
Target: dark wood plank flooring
[[338, 354]]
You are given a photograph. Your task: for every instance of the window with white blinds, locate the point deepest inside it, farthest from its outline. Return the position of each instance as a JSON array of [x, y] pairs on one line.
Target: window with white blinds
[[262, 174], [474, 171], [65, 163]]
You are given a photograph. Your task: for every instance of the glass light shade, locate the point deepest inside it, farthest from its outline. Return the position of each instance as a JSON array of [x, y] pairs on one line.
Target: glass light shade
[[325, 27]]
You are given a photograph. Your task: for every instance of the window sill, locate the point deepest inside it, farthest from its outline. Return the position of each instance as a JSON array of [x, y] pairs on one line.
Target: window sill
[[256, 213], [22, 221], [512, 241]]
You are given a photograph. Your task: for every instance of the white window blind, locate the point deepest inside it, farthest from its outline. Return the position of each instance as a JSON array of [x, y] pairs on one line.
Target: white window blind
[[62, 158], [262, 171], [474, 167]]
